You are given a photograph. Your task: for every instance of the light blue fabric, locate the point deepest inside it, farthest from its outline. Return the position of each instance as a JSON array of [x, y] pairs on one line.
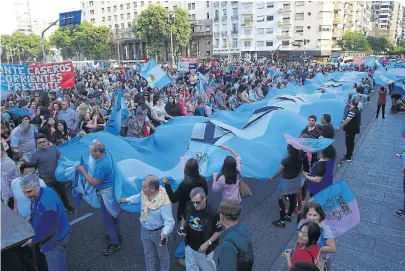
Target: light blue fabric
[[260, 125], [155, 76], [118, 116]]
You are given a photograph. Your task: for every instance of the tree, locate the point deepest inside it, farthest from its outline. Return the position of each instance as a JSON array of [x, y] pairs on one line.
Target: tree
[[355, 41], [399, 50], [152, 25], [21, 47], [84, 39], [379, 44]]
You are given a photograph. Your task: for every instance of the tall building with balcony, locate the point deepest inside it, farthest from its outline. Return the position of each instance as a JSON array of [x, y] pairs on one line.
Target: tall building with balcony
[[387, 18], [120, 15], [357, 16], [23, 16]]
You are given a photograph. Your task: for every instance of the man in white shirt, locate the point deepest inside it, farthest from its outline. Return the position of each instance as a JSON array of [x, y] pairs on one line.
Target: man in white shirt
[[22, 205]]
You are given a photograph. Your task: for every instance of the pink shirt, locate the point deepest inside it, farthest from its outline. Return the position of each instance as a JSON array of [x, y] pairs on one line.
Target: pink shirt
[[229, 191]]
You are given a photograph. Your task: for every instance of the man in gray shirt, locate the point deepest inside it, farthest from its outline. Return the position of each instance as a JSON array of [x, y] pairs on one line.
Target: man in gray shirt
[[46, 159], [70, 117]]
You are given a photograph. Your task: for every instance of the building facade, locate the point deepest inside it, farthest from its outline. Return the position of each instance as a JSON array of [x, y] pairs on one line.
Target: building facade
[[388, 20], [119, 17], [23, 16]]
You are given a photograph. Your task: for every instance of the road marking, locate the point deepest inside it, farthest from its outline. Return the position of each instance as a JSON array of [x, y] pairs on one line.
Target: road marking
[[74, 221]]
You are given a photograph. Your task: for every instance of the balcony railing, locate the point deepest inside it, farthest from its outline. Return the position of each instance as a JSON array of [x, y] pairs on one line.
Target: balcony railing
[[247, 11], [224, 18], [337, 19], [216, 4], [234, 17], [216, 19], [216, 34], [284, 36], [246, 37], [224, 33], [223, 3], [247, 24], [285, 9], [338, 6], [234, 32], [284, 22]]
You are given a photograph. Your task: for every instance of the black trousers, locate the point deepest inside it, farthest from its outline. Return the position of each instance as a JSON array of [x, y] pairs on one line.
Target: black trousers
[[59, 188], [291, 207], [349, 145], [382, 106]]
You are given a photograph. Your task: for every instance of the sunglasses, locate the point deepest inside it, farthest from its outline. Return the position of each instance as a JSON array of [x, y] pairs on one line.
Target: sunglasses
[[196, 202]]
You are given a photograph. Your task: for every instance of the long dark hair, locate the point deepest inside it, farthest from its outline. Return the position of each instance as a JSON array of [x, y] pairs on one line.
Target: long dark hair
[[191, 172], [65, 129], [314, 232], [229, 170]]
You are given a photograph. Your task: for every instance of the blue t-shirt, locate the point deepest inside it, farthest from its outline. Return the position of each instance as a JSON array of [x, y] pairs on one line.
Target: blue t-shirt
[[104, 172]]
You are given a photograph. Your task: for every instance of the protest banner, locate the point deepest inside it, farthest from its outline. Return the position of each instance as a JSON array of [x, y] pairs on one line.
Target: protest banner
[[37, 77], [52, 75], [358, 60]]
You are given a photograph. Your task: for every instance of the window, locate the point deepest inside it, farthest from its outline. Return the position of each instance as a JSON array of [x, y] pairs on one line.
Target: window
[[300, 3], [247, 43], [299, 29], [260, 43], [324, 28], [208, 53], [92, 12], [309, 13], [193, 5], [234, 27], [208, 15], [135, 4], [122, 25], [269, 30], [121, 7], [142, 3], [269, 43], [234, 11], [109, 9], [129, 24], [174, 7], [102, 10], [128, 16], [115, 8], [285, 42], [207, 28], [91, 3], [216, 44], [270, 4], [299, 16], [115, 17], [103, 19], [260, 18], [135, 14], [260, 6], [117, 26], [260, 31], [189, 6], [234, 42], [128, 6], [324, 15], [286, 18], [286, 6], [247, 31], [109, 18], [270, 18], [224, 12], [224, 43], [208, 42], [216, 13], [93, 20], [150, 3], [122, 16], [208, 4], [193, 16]]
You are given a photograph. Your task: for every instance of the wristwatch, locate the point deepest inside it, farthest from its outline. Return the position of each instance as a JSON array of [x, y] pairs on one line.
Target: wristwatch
[[209, 242]]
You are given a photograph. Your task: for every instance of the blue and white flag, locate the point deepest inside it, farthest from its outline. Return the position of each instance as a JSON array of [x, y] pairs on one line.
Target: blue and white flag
[[155, 76], [369, 61], [118, 115]]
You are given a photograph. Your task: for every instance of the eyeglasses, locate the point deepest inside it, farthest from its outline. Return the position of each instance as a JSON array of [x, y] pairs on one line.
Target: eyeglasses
[[196, 202]]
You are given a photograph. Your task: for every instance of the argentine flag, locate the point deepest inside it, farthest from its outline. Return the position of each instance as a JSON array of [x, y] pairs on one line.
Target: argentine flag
[[118, 115], [155, 76]]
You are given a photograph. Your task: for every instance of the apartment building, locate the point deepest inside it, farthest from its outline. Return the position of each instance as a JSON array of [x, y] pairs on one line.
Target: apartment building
[[388, 20], [23, 16], [120, 15]]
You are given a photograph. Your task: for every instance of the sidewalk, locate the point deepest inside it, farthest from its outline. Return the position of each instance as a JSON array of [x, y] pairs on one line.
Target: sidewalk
[[374, 175]]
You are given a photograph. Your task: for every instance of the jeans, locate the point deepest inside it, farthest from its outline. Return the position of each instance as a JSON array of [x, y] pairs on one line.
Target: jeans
[[111, 224], [56, 258], [382, 106], [150, 241], [58, 187], [196, 260], [349, 145]]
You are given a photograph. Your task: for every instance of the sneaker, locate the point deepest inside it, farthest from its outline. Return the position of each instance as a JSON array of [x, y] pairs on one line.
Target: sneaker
[[287, 218], [345, 159], [111, 249], [399, 155], [70, 210], [400, 213], [120, 238], [279, 223]]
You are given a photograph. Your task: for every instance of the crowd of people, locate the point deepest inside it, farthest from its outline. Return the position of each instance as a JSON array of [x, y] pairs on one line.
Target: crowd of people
[[213, 237]]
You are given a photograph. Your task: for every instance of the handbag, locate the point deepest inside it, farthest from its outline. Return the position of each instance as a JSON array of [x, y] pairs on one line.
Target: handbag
[[244, 189]]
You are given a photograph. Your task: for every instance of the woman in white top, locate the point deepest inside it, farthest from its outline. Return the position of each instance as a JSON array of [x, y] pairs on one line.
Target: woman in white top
[[159, 113]]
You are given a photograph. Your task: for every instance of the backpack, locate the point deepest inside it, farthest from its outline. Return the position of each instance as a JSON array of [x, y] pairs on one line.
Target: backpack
[[245, 259]]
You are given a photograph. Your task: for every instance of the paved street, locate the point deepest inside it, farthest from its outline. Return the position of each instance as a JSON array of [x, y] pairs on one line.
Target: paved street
[[378, 197], [374, 175]]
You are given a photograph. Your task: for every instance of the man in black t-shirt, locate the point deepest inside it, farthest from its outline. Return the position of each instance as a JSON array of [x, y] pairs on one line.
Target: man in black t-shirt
[[327, 128], [201, 228], [351, 125]]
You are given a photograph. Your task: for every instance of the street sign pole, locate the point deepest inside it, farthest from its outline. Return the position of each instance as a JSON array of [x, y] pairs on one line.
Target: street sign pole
[[43, 40]]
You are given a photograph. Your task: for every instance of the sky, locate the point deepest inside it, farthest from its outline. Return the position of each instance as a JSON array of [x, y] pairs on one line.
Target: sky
[[47, 10]]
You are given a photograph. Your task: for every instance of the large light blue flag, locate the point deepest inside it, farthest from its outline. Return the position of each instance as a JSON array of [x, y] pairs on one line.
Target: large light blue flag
[[369, 61], [255, 130], [155, 76], [118, 115]]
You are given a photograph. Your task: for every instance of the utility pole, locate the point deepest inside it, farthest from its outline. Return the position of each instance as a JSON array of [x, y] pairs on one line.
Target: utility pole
[[43, 40], [170, 21]]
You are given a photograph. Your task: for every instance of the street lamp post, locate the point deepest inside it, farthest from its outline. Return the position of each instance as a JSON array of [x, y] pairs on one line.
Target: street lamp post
[[170, 21]]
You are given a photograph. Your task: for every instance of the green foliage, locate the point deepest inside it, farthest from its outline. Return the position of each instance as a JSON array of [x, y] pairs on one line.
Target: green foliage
[[152, 25], [22, 47], [399, 49], [379, 44], [84, 39], [355, 41]]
